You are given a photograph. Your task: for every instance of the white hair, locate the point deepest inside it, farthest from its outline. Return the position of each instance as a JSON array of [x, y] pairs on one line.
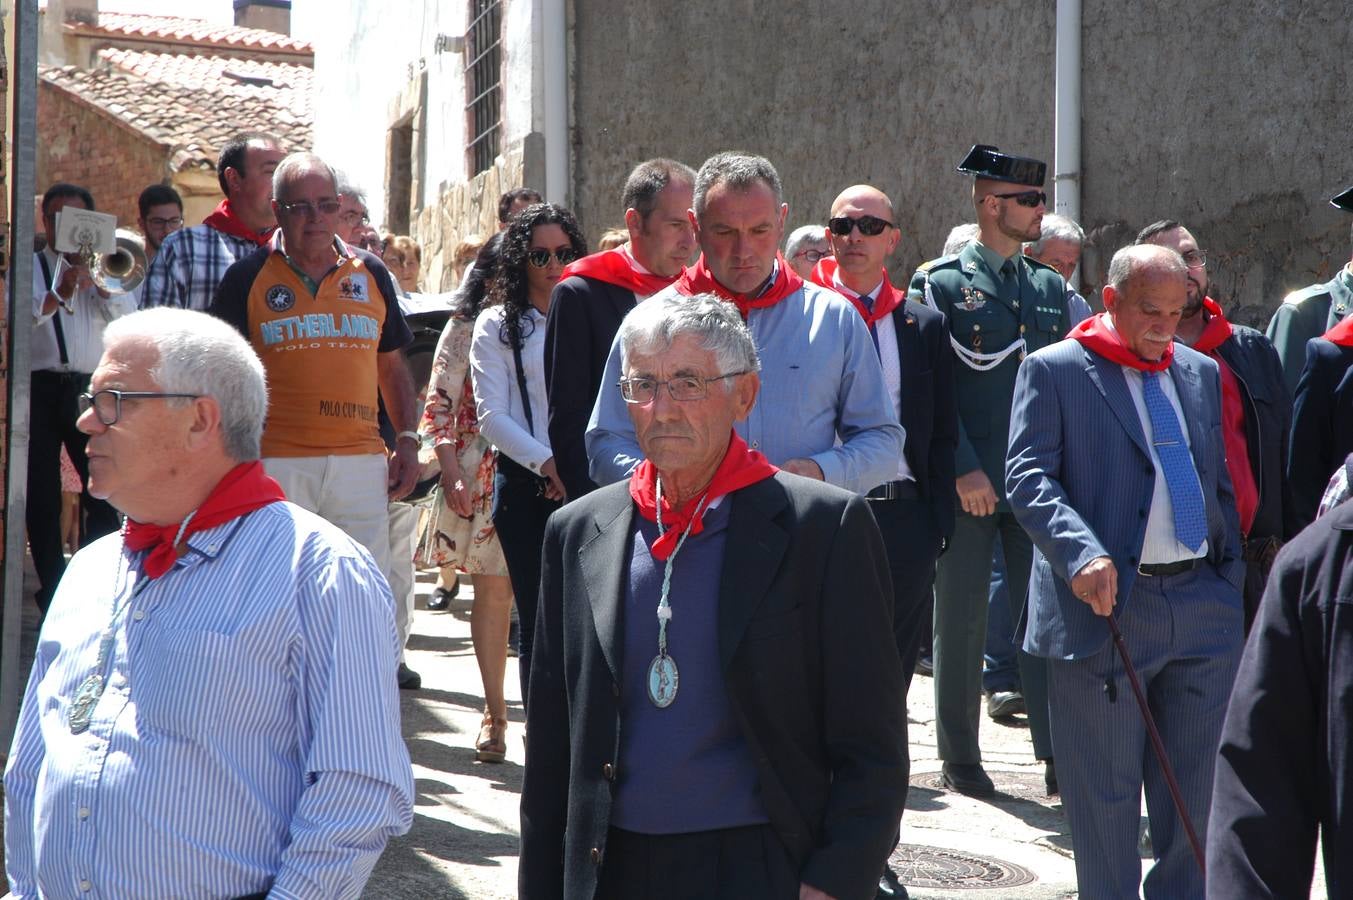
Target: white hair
[[959, 237], [1056, 228], [805, 234], [655, 324]]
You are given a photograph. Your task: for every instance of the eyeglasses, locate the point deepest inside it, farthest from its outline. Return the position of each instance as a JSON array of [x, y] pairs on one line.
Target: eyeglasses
[[868, 225], [107, 404], [353, 216], [540, 258], [310, 210], [157, 222], [1031, 199], [1195, 259], [813, 256], [683, 387]]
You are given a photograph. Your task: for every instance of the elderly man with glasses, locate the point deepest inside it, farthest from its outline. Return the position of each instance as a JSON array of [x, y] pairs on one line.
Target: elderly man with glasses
[[721, 616], [325, 319]]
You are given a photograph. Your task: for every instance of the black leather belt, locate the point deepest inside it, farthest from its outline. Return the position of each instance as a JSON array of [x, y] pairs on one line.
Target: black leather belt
[[894, 490], [1162, 570]]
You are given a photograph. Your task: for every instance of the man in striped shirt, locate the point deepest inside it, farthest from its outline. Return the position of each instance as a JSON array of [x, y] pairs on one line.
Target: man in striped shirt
[[188, 727]]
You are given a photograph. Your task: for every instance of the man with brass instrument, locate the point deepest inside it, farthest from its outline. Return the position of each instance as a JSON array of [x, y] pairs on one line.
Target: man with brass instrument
[[70, 312]]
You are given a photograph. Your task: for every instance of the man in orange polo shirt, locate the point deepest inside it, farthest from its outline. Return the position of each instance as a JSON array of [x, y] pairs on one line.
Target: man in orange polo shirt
[[324, 318]]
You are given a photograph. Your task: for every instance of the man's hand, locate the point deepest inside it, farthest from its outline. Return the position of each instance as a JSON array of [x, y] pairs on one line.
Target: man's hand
[[805, 467], [975, 493], [808, 892], [554, 490], [403, 474], [1097, 584]]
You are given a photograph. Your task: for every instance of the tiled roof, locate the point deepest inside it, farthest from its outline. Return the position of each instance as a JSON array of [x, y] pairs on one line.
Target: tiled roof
[[134, 26], [192, 120], [287, 86]]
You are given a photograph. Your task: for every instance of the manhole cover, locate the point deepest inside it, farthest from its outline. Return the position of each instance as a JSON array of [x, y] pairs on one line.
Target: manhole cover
[[936, 867], [1023, 785]]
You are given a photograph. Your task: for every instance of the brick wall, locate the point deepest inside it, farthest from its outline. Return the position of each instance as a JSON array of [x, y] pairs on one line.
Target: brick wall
[[81, 145]]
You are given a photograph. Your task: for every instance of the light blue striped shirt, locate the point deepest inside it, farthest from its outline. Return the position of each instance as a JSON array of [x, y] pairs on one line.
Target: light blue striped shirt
[[822, 397], [247, 739]]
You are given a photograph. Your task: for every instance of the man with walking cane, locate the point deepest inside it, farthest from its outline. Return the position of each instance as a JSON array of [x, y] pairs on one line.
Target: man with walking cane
[[1117, 470]]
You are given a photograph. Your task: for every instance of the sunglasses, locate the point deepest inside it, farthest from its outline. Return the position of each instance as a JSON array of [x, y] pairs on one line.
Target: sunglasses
[[310, 210], [540, 258], [868, 225], [1031, 199]]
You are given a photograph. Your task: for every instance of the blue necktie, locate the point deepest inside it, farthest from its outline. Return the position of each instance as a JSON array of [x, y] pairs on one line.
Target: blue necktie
[[1186, 496], [873, 327]]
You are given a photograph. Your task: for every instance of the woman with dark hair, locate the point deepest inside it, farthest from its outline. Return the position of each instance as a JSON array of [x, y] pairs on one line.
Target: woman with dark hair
[[463, 536], [507, 361]]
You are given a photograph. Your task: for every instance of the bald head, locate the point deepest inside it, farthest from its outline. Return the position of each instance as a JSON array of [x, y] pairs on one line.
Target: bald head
[[1145, 261], [863, 196], [1145, 295]]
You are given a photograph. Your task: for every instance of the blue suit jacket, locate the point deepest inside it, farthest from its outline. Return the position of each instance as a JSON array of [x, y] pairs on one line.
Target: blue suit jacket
[[1080, 477]]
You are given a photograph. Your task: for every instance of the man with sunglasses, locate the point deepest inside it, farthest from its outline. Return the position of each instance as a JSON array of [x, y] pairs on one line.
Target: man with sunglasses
[[1256, 414], [1001, 305], [325, 319], [594, 295]]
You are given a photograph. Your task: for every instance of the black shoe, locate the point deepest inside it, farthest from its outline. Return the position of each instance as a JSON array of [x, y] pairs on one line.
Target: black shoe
[[890, 888], [1050, 777], [925, 665], [1004, 704], [967, 778], [408, 679], [440, 600]]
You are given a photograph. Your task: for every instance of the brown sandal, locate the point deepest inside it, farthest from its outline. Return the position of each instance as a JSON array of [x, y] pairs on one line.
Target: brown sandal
[[492, 744]]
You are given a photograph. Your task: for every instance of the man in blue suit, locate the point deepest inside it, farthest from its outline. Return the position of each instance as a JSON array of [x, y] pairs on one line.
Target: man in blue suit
[[1117, 470]]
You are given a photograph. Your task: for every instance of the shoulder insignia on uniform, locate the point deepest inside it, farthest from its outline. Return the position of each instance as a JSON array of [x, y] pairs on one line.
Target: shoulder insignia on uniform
[[1038, 264], [937, 262], [1305, 293]]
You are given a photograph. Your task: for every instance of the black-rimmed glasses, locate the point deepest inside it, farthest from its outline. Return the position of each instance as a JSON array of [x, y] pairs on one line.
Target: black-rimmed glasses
[[868, 225], [682, 387], [540, 258], [107, 404], [1031, 199]]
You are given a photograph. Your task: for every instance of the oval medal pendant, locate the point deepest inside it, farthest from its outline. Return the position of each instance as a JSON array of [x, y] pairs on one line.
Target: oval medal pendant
[[82, 707], [662, 681]]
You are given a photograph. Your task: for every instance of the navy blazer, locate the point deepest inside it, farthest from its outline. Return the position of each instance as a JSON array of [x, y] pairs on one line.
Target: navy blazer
[[1322, 423], [929, 413], [1080, 479]]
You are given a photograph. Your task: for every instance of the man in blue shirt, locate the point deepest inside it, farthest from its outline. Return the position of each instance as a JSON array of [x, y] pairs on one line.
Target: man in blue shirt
[[824, 410], [188, 728]]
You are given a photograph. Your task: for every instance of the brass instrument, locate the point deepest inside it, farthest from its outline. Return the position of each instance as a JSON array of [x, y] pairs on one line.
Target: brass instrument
[[113, 273]]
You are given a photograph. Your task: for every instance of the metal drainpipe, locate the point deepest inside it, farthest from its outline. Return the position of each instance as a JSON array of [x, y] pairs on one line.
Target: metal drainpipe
[[1066, 165], [554, 63]]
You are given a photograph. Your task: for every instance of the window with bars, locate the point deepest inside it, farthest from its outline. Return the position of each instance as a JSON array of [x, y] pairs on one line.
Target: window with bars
[[483, 87]]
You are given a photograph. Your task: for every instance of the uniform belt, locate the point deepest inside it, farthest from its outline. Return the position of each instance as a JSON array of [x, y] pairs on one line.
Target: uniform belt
[[1162, 570], [894, 490]]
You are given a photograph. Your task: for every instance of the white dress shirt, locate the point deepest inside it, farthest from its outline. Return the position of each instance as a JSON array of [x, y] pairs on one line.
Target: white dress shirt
[[497, 394]]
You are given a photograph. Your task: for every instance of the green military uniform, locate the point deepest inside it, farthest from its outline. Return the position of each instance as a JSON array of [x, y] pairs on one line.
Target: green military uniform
[[994, 321], [1306, 314]]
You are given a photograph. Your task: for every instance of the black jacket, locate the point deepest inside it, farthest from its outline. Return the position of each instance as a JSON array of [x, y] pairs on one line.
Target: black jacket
[[929, 411], [804, 623], [1322, 423]]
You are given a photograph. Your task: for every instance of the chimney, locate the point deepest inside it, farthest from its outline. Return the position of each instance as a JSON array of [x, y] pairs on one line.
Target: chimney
[[267, 15]]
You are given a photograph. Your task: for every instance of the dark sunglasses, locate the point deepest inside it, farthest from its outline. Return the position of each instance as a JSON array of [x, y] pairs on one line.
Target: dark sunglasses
[[310, 210], [540, 258], [1031, 199], [868, 225]]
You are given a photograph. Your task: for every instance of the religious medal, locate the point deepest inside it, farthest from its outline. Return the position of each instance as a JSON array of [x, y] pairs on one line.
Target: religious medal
[[662, 680], [82, 707]]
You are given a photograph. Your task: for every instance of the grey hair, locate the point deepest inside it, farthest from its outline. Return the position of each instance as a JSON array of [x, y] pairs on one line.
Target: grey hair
[[805, 234], [652, 327], [1057, 228], [959, 237], [1136, 259], [296, 164], [737, 170], [344, 186], [203, 355]]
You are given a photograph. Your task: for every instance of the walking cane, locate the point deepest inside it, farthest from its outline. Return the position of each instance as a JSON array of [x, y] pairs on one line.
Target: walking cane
[[1156, 743]]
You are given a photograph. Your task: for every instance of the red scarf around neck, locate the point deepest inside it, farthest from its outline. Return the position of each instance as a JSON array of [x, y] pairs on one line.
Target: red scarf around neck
[[1096, 336], [224, 219], [889, 298], [698, 280], [740, 467], [1341, 334], [617, 266], [1216, 332], [244, 489]]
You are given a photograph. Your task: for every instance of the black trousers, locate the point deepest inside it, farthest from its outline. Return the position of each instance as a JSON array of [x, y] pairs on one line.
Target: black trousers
[[519, 514], [748, 863], [53, 410]]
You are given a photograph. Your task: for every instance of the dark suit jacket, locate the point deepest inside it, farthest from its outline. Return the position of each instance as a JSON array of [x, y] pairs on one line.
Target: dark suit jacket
[[584, 316], [929, 414], [1285, 766], [1322, 423], [810, 664]]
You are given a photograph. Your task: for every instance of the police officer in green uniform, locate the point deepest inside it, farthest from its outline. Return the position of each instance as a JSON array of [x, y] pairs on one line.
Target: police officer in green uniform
[[1001, 305], [1311, 311]]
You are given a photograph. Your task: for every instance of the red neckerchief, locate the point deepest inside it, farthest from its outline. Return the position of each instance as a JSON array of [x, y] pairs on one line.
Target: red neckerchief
[[618, 267], [1216, 332], [223, 219], [1341, 334], [697, 280], [244, 489], [889, 298], [740, 467], [1096, 336]]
